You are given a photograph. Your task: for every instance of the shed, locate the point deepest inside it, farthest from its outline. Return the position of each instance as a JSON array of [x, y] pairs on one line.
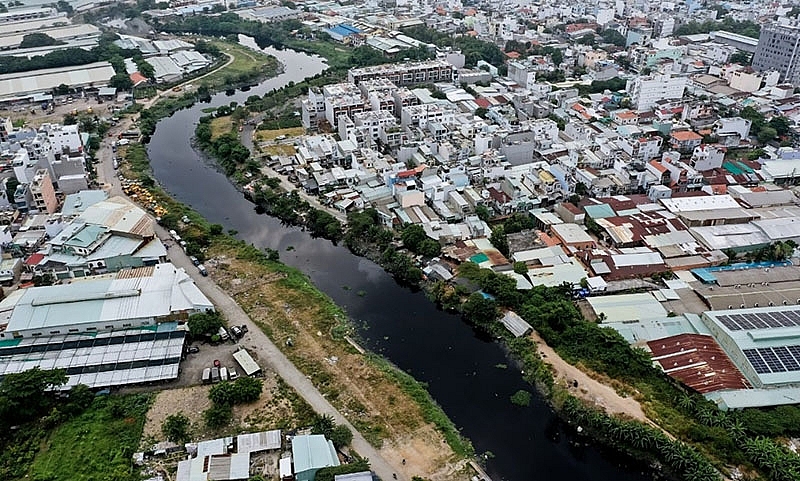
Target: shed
[[361, 476], [311, 453], [254, 442], [248, 365], [285, 468], [515, 324]]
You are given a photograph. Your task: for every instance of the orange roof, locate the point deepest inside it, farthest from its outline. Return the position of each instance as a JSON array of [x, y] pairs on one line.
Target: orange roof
[[627, 115], [658, 166], [685, 135], [512, 54], [137, 78]]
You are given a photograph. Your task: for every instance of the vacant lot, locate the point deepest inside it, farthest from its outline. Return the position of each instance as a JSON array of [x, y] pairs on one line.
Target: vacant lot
[[266, 135], [220, 126], [95, 445], [245, 60], [286, 306], [278, 408]]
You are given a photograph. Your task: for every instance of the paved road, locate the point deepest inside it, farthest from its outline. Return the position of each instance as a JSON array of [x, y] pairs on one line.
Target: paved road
[[255, 339]]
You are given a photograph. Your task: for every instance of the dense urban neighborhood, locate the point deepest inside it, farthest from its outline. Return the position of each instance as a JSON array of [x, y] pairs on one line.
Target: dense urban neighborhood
[[322, 240]]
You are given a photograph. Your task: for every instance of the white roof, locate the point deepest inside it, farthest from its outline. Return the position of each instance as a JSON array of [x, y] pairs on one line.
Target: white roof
[[695, 203], [119, 215], [246, 362], [263, 441], [627, 307], [571, 233], [21, 84], [146, 292]]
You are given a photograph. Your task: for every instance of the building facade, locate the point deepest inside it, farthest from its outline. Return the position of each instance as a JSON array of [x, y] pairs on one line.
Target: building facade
[[778, 49]]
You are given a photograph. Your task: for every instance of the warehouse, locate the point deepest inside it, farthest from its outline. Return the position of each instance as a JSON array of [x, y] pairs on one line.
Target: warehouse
[[23, 85], [763, 343], [109, 330], [130, 298]]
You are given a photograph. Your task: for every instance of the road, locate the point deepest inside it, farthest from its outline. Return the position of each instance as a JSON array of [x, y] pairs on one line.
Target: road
[[255, 339]]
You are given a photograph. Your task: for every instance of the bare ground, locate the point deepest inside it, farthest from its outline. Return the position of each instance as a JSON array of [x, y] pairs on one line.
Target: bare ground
[[356, 387]]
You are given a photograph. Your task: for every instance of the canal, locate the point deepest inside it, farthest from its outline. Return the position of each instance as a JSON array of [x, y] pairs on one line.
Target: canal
[[466, 372]]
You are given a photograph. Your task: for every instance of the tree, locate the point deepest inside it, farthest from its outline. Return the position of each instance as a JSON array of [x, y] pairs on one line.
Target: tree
[[613, 37], [218, 415], [121, 81], [480, 310], [176, 428], [37, 39], [341, 436], [483, 212], [766, 134], [204, 324], [521, 268], [25, 395], [481, 112], [587, 39], [780, 124], [499, 239], [741, 57], [11, 187]]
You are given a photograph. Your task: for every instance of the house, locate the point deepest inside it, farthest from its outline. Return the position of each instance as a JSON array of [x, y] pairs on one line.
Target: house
[[685, 141], [573, 236]]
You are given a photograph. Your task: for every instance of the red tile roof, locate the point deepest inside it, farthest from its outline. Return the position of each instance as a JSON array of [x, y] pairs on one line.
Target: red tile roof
[[137, 78], [685, 136], [697, 361]]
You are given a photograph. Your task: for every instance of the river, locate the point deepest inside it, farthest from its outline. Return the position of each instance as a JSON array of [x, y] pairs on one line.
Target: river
[[464, 370]]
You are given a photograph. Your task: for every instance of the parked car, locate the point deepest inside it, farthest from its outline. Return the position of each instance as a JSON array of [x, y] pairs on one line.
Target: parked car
[[223, 373], [223, 334], [214, 374], [236, 331], [206, 375], [194, 349], [232, 374], [216, 363], [202, 270], [194, 260]]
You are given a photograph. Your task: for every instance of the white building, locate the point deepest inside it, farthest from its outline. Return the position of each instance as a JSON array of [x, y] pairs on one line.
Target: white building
[[645, 91]]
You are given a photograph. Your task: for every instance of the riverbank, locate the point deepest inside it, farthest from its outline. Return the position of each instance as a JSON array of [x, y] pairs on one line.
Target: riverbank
[[393, 411]]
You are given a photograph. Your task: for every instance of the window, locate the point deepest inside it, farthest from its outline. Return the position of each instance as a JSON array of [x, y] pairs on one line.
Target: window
[[92, 328], [126, 325], [109, 327], [36, 334], [55, 332], [73, 330]]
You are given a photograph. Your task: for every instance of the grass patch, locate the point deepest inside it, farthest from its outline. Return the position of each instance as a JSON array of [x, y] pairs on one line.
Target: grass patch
[[220, 126], [267, 135], [281, 150], [246, 63], [431, 410], [98, 444]]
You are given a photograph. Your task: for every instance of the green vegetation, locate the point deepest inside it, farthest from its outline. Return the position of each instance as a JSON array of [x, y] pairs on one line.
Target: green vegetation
[[339, 434], [226, 148], [613, 37], [746, 27], [528, 48], [205, 323], [97, 444], [727, 438], [329, 474], [521, 398], [177, 428], [247, 66], [38, 39], [416, 240], [431, 411], [105, 51], [243, 390]]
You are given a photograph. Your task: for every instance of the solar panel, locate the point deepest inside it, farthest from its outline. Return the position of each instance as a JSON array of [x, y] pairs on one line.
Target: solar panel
[[745, 322], [727, 322], [756, 361], [787, 358], [775, 364], [795, 350], [762, 322]]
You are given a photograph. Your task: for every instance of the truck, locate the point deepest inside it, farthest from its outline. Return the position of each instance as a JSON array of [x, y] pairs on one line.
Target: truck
[[223, 373], [214, 374], [207, 375], [223, 334]]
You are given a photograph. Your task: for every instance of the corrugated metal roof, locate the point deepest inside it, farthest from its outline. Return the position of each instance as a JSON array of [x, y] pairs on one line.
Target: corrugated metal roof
[[698, 362], [18, 85], [266, 440], [515, 324]]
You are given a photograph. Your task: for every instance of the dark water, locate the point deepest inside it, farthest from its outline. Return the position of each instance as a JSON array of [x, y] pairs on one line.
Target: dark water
[[463, 369]]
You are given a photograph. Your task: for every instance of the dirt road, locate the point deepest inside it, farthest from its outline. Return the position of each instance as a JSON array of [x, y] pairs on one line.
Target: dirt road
[[255, 340], [589, 389]]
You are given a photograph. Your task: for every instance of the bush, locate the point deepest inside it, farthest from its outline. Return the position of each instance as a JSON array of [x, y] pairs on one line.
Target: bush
[[176, 428], [218, 415], [521, 398], [204, 324], [243, 390]]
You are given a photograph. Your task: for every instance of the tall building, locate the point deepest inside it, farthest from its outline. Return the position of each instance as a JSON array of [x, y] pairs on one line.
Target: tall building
[[779, 49], [646, 91]]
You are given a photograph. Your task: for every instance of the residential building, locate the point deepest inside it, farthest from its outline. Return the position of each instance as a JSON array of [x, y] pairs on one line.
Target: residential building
[[777, 50], [645, 91], [43, 192]]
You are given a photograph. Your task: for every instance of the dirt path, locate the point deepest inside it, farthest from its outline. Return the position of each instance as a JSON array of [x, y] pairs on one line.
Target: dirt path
[[589, 389]]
